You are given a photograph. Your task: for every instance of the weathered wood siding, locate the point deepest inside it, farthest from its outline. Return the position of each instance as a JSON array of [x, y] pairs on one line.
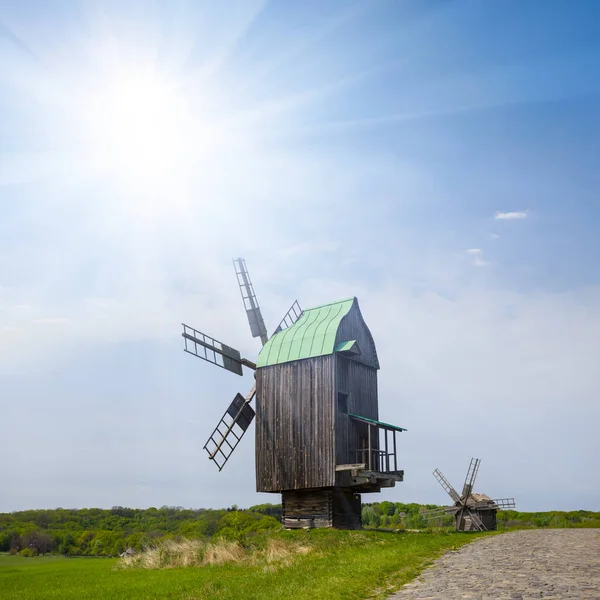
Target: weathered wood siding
[[357, 377], [353, 327], [347, 510], [321, 508], [359, 381], [307, 508], [294, 425], [488, 518], [301, 433]]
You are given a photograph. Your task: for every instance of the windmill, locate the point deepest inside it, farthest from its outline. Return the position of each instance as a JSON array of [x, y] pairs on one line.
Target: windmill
[[472, 512], [318, 438]]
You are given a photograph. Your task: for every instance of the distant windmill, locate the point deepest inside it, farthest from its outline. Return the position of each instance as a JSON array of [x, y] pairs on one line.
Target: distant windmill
[[318, 438], [472, 511]]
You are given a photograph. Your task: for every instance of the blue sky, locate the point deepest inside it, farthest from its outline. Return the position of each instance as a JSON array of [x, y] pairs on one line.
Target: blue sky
[[436, 159]]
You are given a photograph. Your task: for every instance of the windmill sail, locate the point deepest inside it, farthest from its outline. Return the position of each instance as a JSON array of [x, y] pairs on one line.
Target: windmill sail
[[255, 319], [230, 429], [446, 485], [470, 478], [434, 512], [291, 316], [504, 503], [203, 346]]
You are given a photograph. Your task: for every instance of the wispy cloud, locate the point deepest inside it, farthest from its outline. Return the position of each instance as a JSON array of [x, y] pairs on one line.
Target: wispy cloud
[[494, 236], [511, 216], [477, 253]]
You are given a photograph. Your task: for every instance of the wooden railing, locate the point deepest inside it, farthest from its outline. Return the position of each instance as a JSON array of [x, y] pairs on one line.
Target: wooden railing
[[376, 459]]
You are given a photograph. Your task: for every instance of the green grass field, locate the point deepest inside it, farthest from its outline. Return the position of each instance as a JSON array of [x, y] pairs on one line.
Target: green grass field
[[337, 564]]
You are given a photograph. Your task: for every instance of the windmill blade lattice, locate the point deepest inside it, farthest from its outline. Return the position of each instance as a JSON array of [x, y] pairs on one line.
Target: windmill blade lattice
[[504, 503], [470, 478], [230, 429], [446, 485], [255, 319], [211, 350], [291, 316]]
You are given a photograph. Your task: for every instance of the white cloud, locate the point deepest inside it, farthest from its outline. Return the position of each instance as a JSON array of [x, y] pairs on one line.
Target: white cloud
[[477, 253], [479, 262], [494, 236], [510, 216]]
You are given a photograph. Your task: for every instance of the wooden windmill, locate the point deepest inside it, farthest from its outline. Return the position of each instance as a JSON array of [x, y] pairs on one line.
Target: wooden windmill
[[471, 511], [318, 438]]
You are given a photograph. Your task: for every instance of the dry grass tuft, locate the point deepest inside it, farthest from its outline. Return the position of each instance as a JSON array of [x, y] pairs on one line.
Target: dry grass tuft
[[282, 552], [173, 554], [278, 551], [223, 552]]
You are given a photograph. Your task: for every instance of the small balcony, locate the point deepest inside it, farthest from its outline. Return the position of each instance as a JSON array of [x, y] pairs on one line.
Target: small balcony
[[376, 463]]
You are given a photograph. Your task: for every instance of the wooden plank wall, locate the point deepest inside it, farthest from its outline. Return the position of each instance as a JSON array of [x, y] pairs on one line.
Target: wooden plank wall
[[353, 327], [489, 519], [294, 425], [356, 376], [360, 382], [321, 508], [307, 508], [347, 509]]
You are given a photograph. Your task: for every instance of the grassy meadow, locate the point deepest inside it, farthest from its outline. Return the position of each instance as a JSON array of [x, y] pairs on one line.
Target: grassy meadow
[[322, 564]]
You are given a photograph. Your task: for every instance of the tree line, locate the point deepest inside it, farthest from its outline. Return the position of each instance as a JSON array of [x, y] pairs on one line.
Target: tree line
[[399, 516], [108, 532]]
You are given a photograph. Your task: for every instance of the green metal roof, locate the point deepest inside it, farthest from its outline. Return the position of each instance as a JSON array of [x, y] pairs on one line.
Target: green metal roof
[[313, 334], [378, 423]]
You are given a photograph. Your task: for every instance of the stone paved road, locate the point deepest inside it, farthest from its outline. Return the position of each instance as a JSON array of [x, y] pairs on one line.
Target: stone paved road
[[520, 565]]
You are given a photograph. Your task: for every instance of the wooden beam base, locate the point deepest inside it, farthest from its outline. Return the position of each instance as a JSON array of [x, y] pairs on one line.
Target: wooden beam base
[[322, 507], [369, 479]]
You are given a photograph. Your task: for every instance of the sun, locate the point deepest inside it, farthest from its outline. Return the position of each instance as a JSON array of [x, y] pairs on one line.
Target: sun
[[138, 125]]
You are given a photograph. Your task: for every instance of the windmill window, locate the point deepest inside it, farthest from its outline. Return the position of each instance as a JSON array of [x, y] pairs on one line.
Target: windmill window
[[342, 403]]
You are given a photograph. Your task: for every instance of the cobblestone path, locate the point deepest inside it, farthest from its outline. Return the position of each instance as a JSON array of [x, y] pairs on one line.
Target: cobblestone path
[[520, 565]]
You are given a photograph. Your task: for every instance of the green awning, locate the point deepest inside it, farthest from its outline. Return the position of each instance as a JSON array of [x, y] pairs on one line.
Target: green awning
[[377, 423], [349, 348]]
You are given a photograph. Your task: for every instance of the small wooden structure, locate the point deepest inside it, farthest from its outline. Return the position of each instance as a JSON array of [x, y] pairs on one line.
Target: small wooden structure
[[484, 509], [319, 441], [472, 512]]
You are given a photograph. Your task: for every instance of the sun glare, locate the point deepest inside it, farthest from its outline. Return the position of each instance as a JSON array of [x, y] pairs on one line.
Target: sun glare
[[139, 126]]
